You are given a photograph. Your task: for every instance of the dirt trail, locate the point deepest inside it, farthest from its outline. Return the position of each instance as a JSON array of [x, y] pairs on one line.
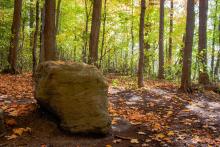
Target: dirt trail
[[151, 116]]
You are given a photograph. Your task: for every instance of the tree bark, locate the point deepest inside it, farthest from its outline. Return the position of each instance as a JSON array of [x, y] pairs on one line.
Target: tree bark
[[187, 53], [58, 17], [216, 73], [203, 10], [50, 30], [42, 52], [171, 33], [213, 40], [31, 22], [95, 29], [141, 45], [12, 58], [103, 33], [132, 37], [161, 43], [86, 32], [34, 50]]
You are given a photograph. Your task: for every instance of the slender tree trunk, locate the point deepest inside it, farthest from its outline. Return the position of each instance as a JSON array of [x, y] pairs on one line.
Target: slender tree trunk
[[203, 10], [213, 51], [31, 22], [132, 38], [187, 53], [213, 41], [95, 29], [42, 52], [50, 30], [217, 66], [108, 63], [74, 51], [34, 50], [171, 33], [161, 43], [103, 33], [141, 45], [216, 73], [22, 38], [12, 58], [58, 17], [86, 32]]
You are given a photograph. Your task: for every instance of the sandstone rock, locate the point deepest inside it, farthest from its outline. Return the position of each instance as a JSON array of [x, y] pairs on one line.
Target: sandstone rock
[[76, 93]]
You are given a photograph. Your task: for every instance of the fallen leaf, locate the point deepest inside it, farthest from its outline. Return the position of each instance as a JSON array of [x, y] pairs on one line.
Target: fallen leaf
[[186, 110], [169, 112], [160, 136], [114, 121], [167, 140], [117, 141], [108, 145], [20, 131], [141, 133], [157, 127], [11, 122], [170, 133], [147, 140], [13, 136], [134, 141]]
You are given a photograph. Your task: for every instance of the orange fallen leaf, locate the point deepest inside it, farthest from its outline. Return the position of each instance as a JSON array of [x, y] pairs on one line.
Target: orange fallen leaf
[[11, 122], [20, 131], [13, 136]]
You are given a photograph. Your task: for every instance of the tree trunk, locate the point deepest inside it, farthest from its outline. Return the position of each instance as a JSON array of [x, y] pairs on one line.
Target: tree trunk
[[217, 66], [216, 73], [86, 32], [103, 33], [12, 58], [213, 41], [161, 43], [58, 17], [50, 30], [132, 38], [31, 22], [171, 33], [42, 52], [34, 50], [95, 29], [203, 10], [141, 46], [187, 53]]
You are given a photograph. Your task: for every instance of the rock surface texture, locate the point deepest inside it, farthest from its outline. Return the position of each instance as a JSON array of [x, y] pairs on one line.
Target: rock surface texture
[[76, 93]]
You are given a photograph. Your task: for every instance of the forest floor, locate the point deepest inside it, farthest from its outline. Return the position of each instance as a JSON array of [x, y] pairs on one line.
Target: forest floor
[[156, 115]]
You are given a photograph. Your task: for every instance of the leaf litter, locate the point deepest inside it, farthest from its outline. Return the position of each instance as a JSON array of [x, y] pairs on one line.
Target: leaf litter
[[157, 115]]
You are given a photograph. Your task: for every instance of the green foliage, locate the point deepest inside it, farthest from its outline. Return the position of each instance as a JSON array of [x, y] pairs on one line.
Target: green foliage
[[73, 40]]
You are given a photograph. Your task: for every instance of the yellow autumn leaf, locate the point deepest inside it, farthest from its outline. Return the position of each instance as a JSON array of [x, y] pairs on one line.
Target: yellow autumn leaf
[[169, 112], [18, 131], [170, 133], [160, 136]]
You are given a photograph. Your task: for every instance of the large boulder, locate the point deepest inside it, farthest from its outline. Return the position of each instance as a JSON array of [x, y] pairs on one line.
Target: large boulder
[[76, 93]]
